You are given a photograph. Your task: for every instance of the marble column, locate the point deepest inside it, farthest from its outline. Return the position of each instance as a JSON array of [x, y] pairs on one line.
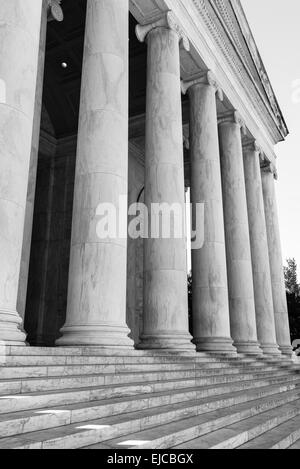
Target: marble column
[[165, 263], [19, 47], [96, 310], [275, 257], [50, 11], [211, 324], [239, 264], [259, 251]]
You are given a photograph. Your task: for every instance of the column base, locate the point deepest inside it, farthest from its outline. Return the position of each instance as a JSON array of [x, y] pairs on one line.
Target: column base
[[270, 349], [220, 345], [248, 348], [101, 336], [286, 350], [10, 332], [179, 343]]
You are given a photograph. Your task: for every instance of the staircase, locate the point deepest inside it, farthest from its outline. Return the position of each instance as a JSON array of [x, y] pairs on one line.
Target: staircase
[[94, 399]]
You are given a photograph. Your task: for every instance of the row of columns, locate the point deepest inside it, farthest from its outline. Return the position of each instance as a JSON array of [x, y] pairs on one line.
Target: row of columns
[[237, 275], [250, 237]]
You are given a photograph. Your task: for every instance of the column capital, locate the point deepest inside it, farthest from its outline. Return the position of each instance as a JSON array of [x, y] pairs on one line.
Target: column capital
[[202, 78], [168, 21], [232, 117], [253, 145], [268, 167], [54, 10]]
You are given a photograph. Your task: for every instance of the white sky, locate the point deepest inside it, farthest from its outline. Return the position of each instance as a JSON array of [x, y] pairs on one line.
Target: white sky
[[275, 26]]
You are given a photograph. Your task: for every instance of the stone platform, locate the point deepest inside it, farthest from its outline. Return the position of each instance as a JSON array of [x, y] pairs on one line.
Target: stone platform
[[63, 398]]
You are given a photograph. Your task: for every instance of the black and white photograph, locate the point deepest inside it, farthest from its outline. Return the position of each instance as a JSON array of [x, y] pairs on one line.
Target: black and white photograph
[[149, 227]]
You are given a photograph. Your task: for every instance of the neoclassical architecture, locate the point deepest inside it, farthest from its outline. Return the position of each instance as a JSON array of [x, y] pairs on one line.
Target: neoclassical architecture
[[190, 72], [135, 104]]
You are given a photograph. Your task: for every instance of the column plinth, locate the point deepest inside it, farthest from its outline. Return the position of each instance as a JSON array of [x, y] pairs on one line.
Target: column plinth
[[275, 258], [165, 264], [96, 311], [239, 266], [259, 251], [19, 46], [211, 324]]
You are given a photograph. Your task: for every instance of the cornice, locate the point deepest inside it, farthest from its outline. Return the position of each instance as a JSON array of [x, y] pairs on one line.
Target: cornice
[[236, 62], [257, 60]]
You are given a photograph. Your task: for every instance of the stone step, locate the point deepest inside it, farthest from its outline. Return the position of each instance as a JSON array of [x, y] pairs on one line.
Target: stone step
[[280, 363], [64, 360], [15, 372], [276, 358], [46, 360], [43, 359], [109, 352], [32, 420], [237, 434], [35, 360], [108, 429], [182, 378], [75, 370], [183, 434], [40, 400], [281, 437], [19, 353], [86, 351]]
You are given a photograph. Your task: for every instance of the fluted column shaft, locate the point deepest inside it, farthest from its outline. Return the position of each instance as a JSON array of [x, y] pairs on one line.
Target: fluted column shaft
[[276, 265], [165, 268], [211, 323], [96, 311], [239, 266], [23, 280], [259, 251], [19, 47]]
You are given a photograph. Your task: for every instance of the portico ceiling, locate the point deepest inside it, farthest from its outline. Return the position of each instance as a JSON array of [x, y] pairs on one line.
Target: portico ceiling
[[217, 28], [62, 85]]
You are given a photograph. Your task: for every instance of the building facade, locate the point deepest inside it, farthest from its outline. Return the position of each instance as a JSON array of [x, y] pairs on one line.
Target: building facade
[[104, 99]]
